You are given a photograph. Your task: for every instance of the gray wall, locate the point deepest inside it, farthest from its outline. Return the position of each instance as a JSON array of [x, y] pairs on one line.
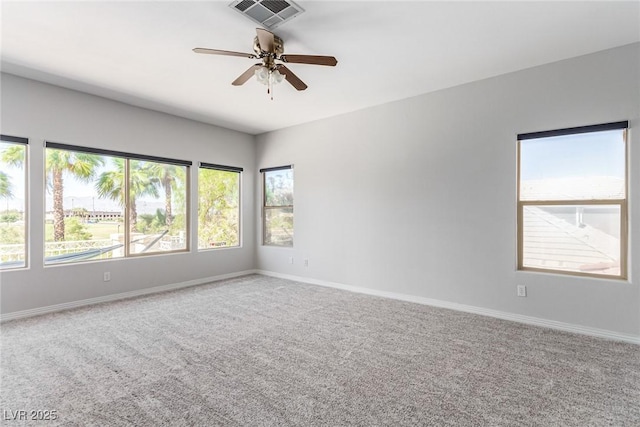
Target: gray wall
[[418, 197], [43, 112]]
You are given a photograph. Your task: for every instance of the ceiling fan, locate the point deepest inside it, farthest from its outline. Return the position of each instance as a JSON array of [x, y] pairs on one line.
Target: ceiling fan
[[269, 48]]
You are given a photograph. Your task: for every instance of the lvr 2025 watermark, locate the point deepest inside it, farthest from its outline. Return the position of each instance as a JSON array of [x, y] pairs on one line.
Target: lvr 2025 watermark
[[29, 415]]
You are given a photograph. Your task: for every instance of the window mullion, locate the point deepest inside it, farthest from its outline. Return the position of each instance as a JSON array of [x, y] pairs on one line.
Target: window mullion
[[624, 244], [127, 207]]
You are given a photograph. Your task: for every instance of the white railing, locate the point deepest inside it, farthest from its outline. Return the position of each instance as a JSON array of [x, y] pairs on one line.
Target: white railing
[[12, 252], [71, 247], [15, 252]]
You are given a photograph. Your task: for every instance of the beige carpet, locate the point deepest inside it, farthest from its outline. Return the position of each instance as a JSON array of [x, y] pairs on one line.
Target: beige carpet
[[259, 351]]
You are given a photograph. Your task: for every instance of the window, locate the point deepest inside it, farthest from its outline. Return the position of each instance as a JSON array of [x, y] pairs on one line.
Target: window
[[88, 216], [572, 201], [218, 206], [277, 224], [13, 193]]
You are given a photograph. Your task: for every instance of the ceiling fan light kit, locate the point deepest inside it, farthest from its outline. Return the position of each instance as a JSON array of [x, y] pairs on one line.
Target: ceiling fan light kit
[[269, 78], [270, 48]]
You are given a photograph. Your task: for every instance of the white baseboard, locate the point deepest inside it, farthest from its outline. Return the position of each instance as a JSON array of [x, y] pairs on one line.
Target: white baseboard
[[536, 321], [107, 298]]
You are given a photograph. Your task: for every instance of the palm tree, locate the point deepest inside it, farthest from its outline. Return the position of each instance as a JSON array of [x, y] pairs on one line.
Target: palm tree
[[5, 186], [166, 176], [110, 184], [81, 166], [13, 155]]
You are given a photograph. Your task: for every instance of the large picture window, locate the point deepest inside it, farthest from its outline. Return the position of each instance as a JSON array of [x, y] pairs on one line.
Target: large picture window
[[277, 224], [13, 196], [218, 206], [89, 215], [572, 200]]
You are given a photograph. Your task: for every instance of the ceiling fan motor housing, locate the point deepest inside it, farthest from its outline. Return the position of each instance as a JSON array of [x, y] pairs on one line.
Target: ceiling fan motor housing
[[268, 56], [278, 46]]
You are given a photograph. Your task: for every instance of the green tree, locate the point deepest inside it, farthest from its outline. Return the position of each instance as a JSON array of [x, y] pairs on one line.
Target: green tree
[[75, 230], [278, 225], [111, 185], [81, 166], [218, 213], [149, 223], [10, 216], [10, 234], [6, 188]]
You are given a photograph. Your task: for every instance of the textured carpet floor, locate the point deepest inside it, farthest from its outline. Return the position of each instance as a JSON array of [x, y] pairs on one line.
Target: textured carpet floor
[[259, 351]]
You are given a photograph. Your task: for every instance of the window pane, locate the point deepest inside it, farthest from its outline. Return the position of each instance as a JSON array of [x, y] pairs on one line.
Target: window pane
[[13, 197], [585, 166], [157, 207], [84, 207], [572, 238], [278, 226], [218, 208], [278, 188]]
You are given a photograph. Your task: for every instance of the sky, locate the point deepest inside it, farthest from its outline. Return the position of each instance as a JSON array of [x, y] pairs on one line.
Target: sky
[[77, 194], [588, 154]]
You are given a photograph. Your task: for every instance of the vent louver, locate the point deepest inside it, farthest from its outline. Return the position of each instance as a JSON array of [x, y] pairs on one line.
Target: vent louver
[[268, 13]]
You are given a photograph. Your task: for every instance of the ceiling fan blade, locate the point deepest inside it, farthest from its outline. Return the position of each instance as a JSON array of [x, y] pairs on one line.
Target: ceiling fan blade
[[246, 75], [309, 59], [292, 78], [266, 40], [223, 52]]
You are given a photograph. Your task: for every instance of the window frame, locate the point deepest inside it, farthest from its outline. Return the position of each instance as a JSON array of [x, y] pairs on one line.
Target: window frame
[[622, 203], [266, 207], [22, 141], [222, 168], [128, 157]]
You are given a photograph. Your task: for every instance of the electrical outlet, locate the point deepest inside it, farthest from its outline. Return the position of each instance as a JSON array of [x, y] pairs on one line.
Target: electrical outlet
[[522, 291], [290, 260], [107, 276], [306, 262]]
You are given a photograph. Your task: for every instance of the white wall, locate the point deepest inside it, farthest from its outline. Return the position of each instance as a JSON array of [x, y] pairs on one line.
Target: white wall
[[418, 197], [43, 112]]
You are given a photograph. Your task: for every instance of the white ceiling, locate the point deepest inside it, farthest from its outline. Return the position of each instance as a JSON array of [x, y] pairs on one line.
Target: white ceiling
[[140, 52]]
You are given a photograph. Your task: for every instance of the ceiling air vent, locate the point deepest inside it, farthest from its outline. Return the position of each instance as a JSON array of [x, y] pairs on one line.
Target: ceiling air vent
[[268, 13]]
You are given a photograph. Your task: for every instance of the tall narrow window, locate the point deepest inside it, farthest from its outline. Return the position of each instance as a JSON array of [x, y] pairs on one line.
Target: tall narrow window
[[572, 201], [277, 224], [13, 196], [218, 206], [89, 215]]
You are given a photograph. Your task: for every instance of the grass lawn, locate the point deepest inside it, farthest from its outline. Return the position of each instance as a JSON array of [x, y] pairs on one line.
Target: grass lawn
[[99, 230]]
